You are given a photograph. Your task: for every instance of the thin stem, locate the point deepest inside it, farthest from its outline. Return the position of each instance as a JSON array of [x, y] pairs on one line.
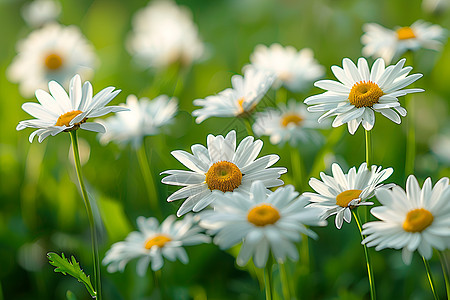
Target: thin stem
[[410, 138], [368, 148], [368, 264], [148, 180], [281, 95], [304, 253], [430, 278], [268, 278], [410, 156], [444, 266], [248, 126], [284, 281], [297, 168], [94, 240]]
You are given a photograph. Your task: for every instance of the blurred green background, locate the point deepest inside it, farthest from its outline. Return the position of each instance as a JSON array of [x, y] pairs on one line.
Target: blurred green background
[[41, 209]]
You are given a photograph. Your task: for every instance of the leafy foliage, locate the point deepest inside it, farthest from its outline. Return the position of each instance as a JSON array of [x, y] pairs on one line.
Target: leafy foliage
[[72, 268]]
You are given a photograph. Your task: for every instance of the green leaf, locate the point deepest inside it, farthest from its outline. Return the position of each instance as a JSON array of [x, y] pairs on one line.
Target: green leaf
[[72, 268], [70, 295]]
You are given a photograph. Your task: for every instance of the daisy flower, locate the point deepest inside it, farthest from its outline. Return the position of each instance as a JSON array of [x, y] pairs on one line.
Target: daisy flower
[[387, 44], [54, 52], [153, 242], [418, 219], [164, 33], [220, 168], [144, 117], [340, 193], [58, 112], [362, 92], [238, 101], [262, 222], [290, 123], [295, 70], [38, 12]]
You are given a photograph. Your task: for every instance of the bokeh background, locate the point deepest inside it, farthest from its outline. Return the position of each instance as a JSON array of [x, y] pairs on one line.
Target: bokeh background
[[41, 209]]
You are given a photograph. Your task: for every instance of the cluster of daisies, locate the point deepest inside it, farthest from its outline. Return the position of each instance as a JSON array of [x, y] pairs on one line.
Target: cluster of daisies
[[228, 192]]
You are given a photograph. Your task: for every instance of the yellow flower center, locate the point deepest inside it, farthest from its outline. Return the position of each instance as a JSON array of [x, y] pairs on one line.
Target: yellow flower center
[[262, 215], [159, 240], [223, 176], [417, 220], [67, 117], [291, 119], [344, 198], [53, 61], [365, 94], [405, 33]]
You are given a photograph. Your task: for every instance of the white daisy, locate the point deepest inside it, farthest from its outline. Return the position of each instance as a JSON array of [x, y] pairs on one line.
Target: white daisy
[[415, 220], [290, 123], [340, 193], [38, 12], [262, 222], [219, 169], [164, 33], [360, 93], [387, 44], [296, 70], [238, 101], [153, 242], [58, 112], [54, 52], [144, 117]]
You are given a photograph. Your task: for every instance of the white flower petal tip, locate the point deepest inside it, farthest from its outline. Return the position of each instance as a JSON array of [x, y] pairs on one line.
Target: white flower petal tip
[[154, 242], [136, 119], [239, 168], [264, 222], [340, 193], [415, 219], [52, 52], [359, 93], [58, 111]]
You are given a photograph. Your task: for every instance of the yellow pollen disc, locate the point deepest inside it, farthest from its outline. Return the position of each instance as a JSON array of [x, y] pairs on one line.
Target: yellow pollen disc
[[223, 176], [67, 117], [53, 61], [405, 33], [159, 240], [241, 104], [365, 94], [291, 119], [417, 220], [344, 198], [262, 215]]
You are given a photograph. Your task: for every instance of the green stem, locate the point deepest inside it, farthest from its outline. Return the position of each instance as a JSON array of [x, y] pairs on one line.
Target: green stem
[[284, 281], [368, 264], [281, 95], [304, 253], [368, 148], [430, 278], [248, 126], [444, 266], [148, 180], [368, 163], [94, 240], [297, 168], [411, 137], [268, 278]]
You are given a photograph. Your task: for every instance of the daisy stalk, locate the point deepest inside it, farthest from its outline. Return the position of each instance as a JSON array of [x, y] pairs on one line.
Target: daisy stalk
[[268, 278], [445, 272], [148, 180], [368, 263], [94, 240], [285, 286], [297, 168], [430, 278]]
